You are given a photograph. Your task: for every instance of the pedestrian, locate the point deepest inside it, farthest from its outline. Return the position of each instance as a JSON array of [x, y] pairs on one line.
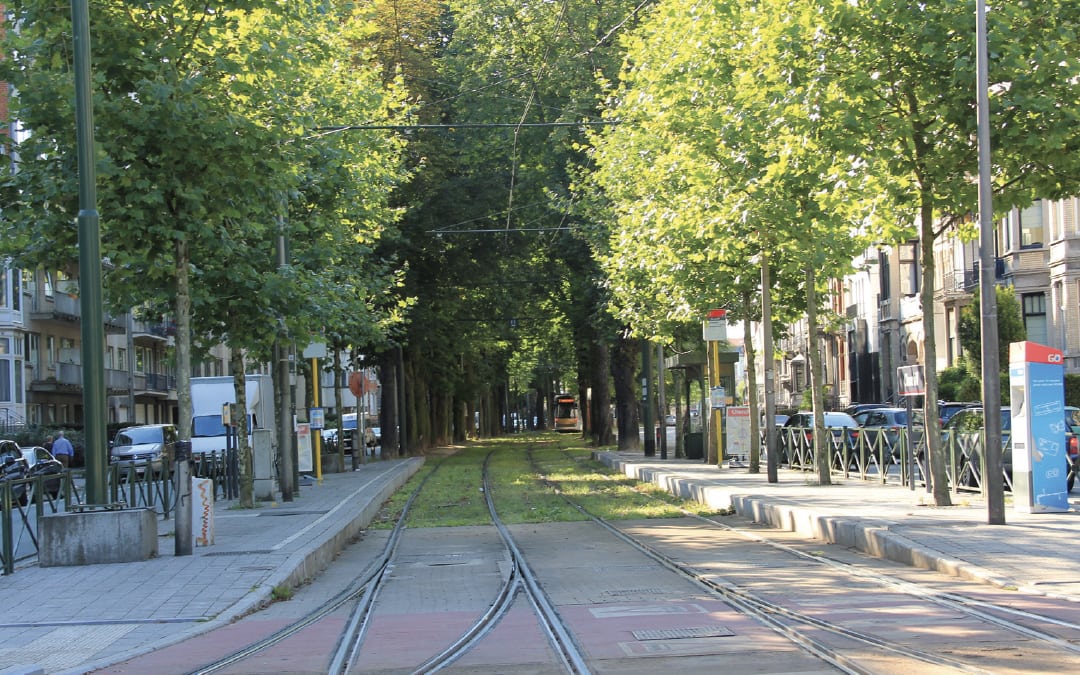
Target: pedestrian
[[62, 449], [370, 441], [48, 443]]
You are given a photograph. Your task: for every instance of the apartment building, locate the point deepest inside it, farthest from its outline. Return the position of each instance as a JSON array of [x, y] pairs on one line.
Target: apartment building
[[1037, 252], [41, 380]]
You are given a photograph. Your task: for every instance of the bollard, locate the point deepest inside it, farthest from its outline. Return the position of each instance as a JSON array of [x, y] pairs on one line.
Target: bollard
[[182, 457]]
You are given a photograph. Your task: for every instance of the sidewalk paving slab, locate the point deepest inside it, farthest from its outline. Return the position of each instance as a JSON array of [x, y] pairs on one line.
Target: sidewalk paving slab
[[81, 618], [1032, 552]]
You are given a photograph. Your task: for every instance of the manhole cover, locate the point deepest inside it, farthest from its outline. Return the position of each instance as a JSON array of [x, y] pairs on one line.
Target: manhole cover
[[679, 633], [215, 553], [636, 591]]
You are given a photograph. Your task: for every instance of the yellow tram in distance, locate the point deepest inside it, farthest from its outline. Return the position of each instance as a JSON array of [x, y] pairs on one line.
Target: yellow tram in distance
[[566, 413]]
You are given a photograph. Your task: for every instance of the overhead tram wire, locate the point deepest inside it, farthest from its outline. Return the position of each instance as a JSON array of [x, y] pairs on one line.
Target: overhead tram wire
[[465, 125]]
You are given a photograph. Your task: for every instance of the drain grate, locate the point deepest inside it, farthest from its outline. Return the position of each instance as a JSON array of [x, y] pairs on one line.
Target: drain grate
[[216, 553], [679, 633], [291, 513], [636, 591]]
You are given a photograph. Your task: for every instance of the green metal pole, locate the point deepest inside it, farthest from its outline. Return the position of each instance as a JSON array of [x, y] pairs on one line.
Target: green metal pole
[[646, 399], [93, 320]]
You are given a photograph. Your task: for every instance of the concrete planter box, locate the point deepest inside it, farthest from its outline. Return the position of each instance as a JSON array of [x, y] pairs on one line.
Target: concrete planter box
[[96, 537]]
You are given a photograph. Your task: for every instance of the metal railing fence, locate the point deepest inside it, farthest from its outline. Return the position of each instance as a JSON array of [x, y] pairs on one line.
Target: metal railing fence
[[24, 502], [883, 456]]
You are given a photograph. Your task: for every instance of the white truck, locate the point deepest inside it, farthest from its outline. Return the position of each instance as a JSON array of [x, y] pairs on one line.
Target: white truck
[[208, 394]]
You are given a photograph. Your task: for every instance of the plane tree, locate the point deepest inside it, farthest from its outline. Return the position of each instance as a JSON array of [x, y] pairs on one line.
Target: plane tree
[[909, 73], [728, 151], [203, 122]]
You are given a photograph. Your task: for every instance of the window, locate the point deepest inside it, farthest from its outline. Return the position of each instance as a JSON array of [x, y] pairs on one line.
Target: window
[[33, 350], [884, 274], [1031, 226], [50, 352], [1034, 308], [5, 370], [4, 275], [121, 359]]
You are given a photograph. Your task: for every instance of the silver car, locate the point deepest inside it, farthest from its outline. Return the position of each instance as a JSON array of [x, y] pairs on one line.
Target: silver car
[[139, 447]]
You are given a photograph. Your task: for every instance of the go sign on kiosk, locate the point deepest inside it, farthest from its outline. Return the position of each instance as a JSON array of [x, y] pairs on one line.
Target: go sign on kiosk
[[1039, 454]]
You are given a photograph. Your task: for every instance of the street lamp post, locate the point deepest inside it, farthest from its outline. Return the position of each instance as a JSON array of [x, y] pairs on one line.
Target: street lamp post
[[995, 489], [90, 298]]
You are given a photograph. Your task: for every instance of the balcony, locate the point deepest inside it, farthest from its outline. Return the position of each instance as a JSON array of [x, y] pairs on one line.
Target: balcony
[[69, 378], [971, 279], [66, 308], [885, 310], [152, 332], [154, 384]]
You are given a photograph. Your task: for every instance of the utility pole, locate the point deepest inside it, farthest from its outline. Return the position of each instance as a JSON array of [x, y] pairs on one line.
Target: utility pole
[[281, 357], [90, 299], [646, 408], [661, 398], [995, 482], [770, 385]]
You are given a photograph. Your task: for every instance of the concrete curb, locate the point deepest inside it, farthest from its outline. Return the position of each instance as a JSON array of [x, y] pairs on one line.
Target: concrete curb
[[868, 536], [298, 568]]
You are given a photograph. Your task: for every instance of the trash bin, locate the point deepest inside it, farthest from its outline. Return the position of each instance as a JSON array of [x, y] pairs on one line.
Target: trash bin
[[695, 445]]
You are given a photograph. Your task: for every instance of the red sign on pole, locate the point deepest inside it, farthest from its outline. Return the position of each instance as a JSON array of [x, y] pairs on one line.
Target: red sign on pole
[[356, 383]]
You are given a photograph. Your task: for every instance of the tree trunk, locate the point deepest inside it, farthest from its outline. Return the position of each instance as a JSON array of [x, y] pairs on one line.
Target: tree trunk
[[183, 340], [243, 446], [602, 433], [623, 366], [822, 444], [388, 408], [751, 385], [338, 377], [938, 457]]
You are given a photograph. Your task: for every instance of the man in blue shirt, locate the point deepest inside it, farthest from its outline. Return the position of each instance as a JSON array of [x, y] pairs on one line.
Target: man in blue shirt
[[62, 449]]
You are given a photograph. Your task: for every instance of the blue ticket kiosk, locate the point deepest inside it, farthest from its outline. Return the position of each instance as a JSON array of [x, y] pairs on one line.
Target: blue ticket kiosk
[[1037, 399]]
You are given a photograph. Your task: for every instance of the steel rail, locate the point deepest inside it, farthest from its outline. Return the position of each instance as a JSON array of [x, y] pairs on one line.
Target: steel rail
[[760, 609], [977, 609], [355, 590], [953, 601], [561, 639], [348, 650]]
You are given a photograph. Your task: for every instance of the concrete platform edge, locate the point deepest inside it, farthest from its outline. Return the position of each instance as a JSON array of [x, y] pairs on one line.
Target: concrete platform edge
[[865, 535], [298, 568]]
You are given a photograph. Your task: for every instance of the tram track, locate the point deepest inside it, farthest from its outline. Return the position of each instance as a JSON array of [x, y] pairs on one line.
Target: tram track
[[363, 596], [996, 614], [509, 566]]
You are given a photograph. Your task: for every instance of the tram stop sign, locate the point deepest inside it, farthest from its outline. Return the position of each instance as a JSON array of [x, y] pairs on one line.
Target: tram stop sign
[[714, 328], [912, 382]]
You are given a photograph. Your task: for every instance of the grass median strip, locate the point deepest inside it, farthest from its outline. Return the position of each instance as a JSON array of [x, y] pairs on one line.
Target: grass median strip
[[453, 496]]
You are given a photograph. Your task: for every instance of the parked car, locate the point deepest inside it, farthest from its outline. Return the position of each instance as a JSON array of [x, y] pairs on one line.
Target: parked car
[[13, 467], [969, 422], [843, 427], [42, 463], [855, 408], [883, 428], [17, 463], [946, 409], [141, 446]]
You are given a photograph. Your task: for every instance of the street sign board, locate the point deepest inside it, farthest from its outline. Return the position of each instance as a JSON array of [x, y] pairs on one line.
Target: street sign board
[[912, 382], [714, 328]]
